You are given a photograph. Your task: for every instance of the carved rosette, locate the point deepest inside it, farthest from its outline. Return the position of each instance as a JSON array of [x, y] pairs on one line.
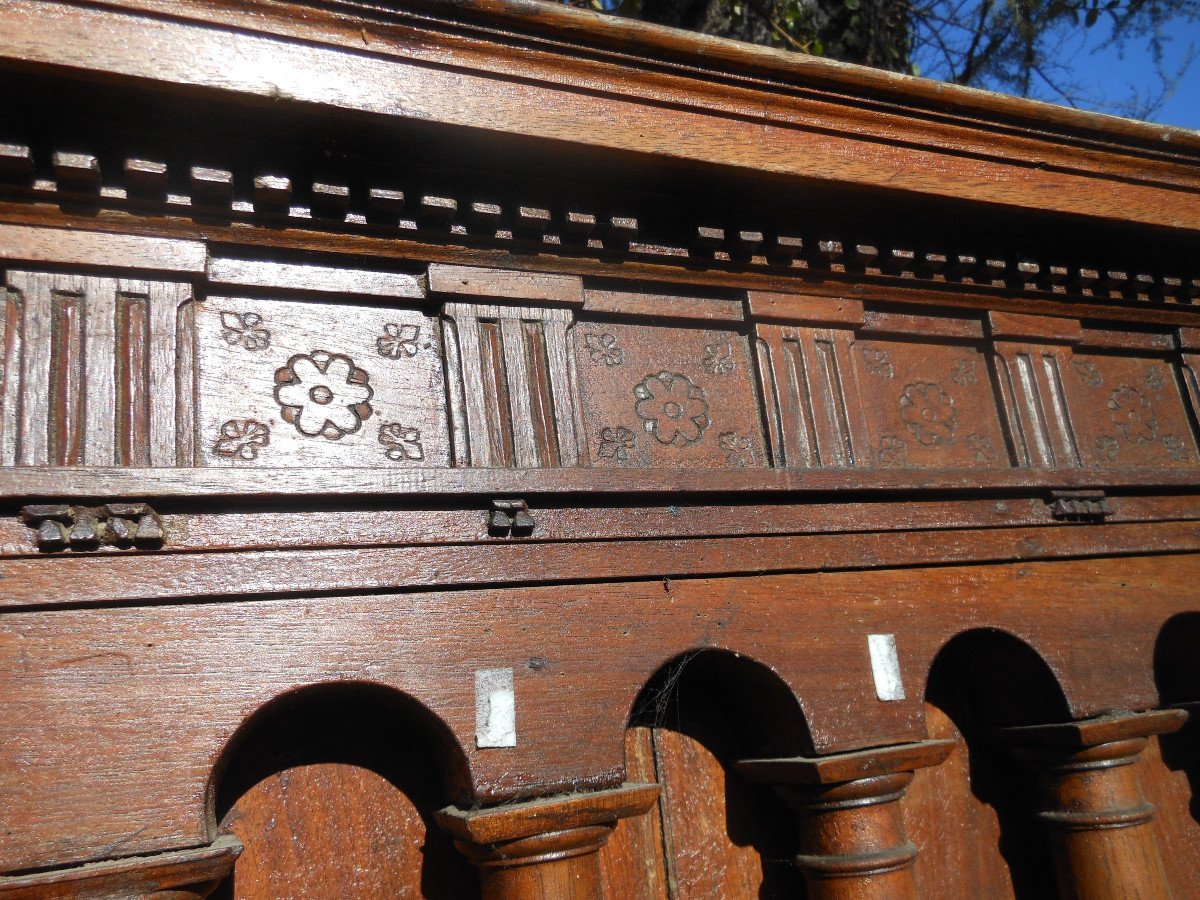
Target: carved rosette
[[672, 408], [323, 394]]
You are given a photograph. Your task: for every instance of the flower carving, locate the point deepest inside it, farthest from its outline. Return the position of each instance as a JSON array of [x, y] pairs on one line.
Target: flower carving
[[241, 439], [736, 448], [1132, 414], [878, 363], [244, 329], [1154, 378], [1086, 370], [892, 451], [1107, 448], [401, 442], [964, 372], [603, 348], [615, 443], [672, 409], [928, 412], [1175, 447], [718, 359], [981, 446], [323, 394], [398, 340]]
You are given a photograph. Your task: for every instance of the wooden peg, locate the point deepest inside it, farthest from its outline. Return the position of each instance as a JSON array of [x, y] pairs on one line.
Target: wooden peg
[[272, 194], [933, 265], [77, 172], [707, 240], [902, 263], [384, 204], [330, 201], [211, 187], [1088, 281], [866, 257], [829, 253], [782, 249], [964, 268], [146, 179], [436, 212], [1055, 278], [532, 221], [621, 229], [16, 164], [992, 271], [579, 226], [1025, 275]]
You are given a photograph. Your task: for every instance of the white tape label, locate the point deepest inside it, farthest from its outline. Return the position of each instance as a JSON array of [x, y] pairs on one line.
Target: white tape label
[[885, 666], [495, 708]]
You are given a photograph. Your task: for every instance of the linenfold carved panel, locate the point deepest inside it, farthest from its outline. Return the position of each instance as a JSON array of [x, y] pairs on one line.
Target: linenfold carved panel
[[667, 397], [97, 371], [285, 383]]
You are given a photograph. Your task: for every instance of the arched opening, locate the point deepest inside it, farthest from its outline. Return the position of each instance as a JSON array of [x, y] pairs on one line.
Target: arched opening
[[714, 834], [972, 816], [1172, 782], [331, 789]]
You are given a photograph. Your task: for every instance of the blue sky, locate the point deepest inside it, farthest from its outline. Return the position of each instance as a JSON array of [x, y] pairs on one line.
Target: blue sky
[[1113, 74]]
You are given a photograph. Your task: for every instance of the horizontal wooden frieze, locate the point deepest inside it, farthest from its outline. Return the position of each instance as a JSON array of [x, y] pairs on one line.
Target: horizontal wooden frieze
[[908, 325], [296, 525], [805, 310], [225, 272], [118, 579], [509, 284], [104, 482], [21, 243], [664, 306], [1034, 328]]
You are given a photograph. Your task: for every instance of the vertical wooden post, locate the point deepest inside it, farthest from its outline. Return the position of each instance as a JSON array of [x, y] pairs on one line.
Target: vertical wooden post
[[1092, 803], [545, 848], [852, 838]]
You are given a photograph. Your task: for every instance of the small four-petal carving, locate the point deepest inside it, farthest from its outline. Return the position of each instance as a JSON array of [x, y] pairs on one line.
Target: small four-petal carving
[[242, 439], [615, 443], [245, 329], [401, 442], [398, 340], [603, 348]]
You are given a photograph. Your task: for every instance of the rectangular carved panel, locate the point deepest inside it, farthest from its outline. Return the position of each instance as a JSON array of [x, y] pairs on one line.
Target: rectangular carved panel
[[667, 397], [285, 383], [928, 405], [1129, 411], [97, 371]]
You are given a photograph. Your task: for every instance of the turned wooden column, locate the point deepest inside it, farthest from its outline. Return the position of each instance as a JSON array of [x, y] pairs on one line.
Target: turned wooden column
[[852, 838], [1098, 820], [176, 875], [545, 848]]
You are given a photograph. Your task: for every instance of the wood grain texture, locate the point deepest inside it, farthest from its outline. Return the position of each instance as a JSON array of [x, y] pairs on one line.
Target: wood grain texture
[[165, 738], [53, 245], [320, 75]]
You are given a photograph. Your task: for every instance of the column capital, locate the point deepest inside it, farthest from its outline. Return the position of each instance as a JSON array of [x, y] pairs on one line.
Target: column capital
[[841, 767], [1068, 738], [852, 839], [554, 838], [1092, 804]]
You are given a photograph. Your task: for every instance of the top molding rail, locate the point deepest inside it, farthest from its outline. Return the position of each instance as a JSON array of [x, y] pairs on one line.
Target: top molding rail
[[986, 149]]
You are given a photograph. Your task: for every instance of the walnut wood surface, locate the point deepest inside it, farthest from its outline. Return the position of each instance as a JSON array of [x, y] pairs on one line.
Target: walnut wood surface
[[354, 359]]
